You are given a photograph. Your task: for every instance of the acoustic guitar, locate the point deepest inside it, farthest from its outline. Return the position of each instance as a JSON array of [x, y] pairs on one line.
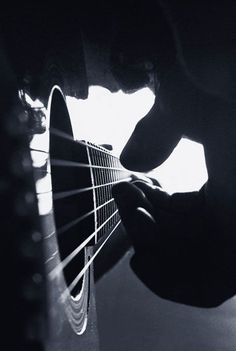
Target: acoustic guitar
[[64, 257], [69, 216]]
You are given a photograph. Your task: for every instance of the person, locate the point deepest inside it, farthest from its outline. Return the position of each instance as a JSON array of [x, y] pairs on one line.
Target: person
[[185, 244]]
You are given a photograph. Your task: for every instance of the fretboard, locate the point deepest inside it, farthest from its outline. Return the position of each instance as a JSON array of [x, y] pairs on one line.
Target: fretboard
[[106, 170]]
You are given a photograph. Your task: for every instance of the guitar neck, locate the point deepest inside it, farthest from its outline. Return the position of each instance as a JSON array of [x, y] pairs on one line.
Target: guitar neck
[[106, 170]]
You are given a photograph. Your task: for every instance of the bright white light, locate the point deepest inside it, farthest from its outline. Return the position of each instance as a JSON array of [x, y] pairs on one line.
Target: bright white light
[[33, 103], [45, 203], [106, 118], [185, 169]]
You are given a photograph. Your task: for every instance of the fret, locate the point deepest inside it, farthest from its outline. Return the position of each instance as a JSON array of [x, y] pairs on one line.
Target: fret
[[106, 189], [107, 170], [109, 165], [94, 157], [103, 190]]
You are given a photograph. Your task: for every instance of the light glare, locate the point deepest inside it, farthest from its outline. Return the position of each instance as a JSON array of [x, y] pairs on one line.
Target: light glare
[[109, 118]]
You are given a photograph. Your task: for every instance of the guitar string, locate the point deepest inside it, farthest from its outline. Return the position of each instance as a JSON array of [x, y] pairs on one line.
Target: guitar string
[[74, 222], [66, 163], [38, 150], [68, 193], [86, 267], [64, 135], [63, 264], [77, 250], [67, 226], [57, 162], [50, 235]]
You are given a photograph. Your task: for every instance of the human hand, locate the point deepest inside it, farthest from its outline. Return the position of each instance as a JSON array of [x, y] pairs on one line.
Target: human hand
[[183, 110], [178, 255], [195, 98]]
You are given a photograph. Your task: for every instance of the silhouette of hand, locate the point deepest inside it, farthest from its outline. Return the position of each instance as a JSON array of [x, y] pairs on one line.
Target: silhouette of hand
[[182, 109], [185, 244], [178, 254]]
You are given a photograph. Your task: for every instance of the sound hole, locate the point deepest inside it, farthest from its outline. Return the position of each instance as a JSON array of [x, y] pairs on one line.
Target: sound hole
[[73, 206]]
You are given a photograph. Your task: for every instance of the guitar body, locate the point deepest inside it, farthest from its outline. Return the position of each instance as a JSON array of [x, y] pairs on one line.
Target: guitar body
[[111, 307], [52, 311], [71, 200], [62, 332]]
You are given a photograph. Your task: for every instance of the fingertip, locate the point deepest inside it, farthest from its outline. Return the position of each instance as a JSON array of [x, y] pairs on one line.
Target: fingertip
[[120, 188], [130, 196], [152, 141], [126, 191], [155, 194], [144, 216], [143, 185]]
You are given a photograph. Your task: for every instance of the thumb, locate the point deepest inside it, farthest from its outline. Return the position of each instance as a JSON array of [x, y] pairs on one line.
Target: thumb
[[152, 141]]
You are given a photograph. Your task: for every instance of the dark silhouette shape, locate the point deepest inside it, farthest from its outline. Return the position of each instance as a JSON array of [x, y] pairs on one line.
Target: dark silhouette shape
[[185, 244]]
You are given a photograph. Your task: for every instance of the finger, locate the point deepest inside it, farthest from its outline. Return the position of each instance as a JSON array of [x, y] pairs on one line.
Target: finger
[[155, 195], [128, 198], [142, 230], [152, 141], [177, 203]]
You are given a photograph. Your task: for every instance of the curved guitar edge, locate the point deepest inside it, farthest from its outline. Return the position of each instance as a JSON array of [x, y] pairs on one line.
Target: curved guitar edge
[[61, 335]]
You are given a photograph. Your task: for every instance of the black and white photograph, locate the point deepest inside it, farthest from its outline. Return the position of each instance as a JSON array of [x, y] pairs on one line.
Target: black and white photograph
[[118, 175]]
